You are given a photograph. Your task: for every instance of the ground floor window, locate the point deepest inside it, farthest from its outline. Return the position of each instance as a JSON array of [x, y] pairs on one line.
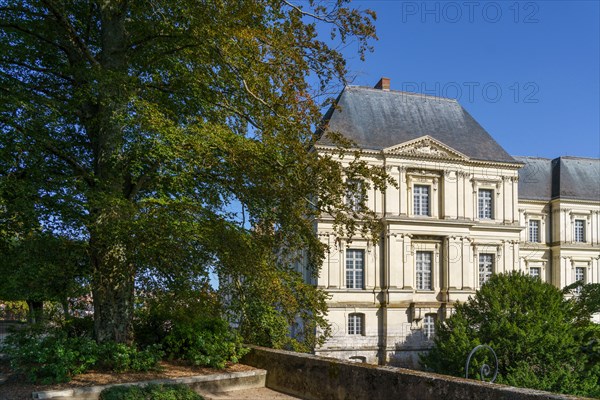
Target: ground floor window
[[356, 324], [429, 326], [535, 272]]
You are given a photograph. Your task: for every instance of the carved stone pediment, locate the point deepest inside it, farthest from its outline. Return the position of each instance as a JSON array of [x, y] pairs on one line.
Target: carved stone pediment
[[427, 147]]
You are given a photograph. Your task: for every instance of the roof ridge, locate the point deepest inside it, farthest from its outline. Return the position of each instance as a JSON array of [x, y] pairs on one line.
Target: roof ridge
[[578, 158], [403, 93], [536, 157]]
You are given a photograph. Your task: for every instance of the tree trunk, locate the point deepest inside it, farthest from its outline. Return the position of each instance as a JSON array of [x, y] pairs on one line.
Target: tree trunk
[[113, 291], [36, 310], [113, 273]]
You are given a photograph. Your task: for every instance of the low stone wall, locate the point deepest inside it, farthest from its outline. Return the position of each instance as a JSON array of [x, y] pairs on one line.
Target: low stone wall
[[204, 383], [320, 378]]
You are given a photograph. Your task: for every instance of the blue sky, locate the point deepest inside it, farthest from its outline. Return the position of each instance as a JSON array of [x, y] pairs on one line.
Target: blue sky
[[529, 72]]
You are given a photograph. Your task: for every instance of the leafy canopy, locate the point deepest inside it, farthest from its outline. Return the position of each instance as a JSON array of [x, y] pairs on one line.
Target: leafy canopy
[[174, 138]]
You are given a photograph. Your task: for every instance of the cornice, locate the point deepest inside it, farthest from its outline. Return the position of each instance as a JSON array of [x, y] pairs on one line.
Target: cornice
[[384, 155]]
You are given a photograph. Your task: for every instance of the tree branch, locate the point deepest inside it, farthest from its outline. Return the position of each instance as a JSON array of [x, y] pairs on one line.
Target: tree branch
[[42, 70], [71, 32], [71, 161], [308, 14]]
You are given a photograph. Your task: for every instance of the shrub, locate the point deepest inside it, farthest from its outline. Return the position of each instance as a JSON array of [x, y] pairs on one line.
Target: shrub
[[120, 357], [204, 341], [79, 326], [48, 357], [529, 325], [154, 392]]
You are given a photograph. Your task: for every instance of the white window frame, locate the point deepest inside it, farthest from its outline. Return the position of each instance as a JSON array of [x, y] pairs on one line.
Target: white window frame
[[356, 324], [355, 270], [579, 230], [419, 177], [429, 326], [533, 234], [535, 272], [580, 273], [424, 270], [485, 205], [422, 200], [486, 267]]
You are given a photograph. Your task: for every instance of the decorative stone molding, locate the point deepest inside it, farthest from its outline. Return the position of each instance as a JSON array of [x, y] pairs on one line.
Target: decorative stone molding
[[426, 147]]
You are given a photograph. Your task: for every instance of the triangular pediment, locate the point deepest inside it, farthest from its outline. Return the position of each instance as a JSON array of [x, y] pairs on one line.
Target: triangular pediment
[[427, 147]]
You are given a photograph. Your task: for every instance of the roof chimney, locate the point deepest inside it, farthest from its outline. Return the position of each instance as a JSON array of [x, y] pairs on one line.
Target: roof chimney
[[383, 84]]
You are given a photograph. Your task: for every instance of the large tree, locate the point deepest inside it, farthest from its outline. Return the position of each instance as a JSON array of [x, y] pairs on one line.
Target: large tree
[[174, 136]]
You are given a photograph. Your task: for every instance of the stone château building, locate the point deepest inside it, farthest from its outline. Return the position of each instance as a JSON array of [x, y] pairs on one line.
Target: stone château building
[[463, 209]]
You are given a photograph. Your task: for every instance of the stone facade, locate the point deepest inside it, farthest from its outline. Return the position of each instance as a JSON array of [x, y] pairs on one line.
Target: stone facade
[[456, 215]]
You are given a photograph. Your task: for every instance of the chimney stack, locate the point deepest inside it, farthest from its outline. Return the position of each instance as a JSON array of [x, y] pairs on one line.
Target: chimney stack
[[383, 84]]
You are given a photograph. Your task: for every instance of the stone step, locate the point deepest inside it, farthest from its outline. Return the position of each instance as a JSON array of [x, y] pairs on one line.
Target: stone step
[[248, 394]]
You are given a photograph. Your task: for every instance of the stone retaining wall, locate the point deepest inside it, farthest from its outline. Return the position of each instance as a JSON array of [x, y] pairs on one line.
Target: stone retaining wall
[[320, 378]]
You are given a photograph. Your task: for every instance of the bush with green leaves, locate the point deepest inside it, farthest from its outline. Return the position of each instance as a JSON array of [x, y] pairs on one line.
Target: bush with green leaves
[[120, 357], [204, 341], [186, 320], [153, 391], [531, 328], [49, 356]]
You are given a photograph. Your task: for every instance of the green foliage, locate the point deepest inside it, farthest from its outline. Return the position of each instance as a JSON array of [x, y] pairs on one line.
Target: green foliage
[[204, 341], [586, 303], [78, 326], [41, 266], [48, 355], [13, 310], [186, 322], [164, 304], [267, 303], [174, 137], [529, 325], [585, 299], [153, 391], [120, 357]]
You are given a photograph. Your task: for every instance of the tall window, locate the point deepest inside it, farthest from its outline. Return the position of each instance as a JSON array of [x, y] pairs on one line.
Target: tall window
[[355, 268], [355, 194], [579, 230], [355, 324], [485, 197], [429, 326], [486, 267], [423, 270], [421, 199], [534, 230], [580, 274], [579, 277], [535, 272]]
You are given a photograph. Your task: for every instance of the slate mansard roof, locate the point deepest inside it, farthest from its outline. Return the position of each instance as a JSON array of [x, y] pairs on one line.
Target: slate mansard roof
[[379, 118], [376, 119], [564, 177]]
